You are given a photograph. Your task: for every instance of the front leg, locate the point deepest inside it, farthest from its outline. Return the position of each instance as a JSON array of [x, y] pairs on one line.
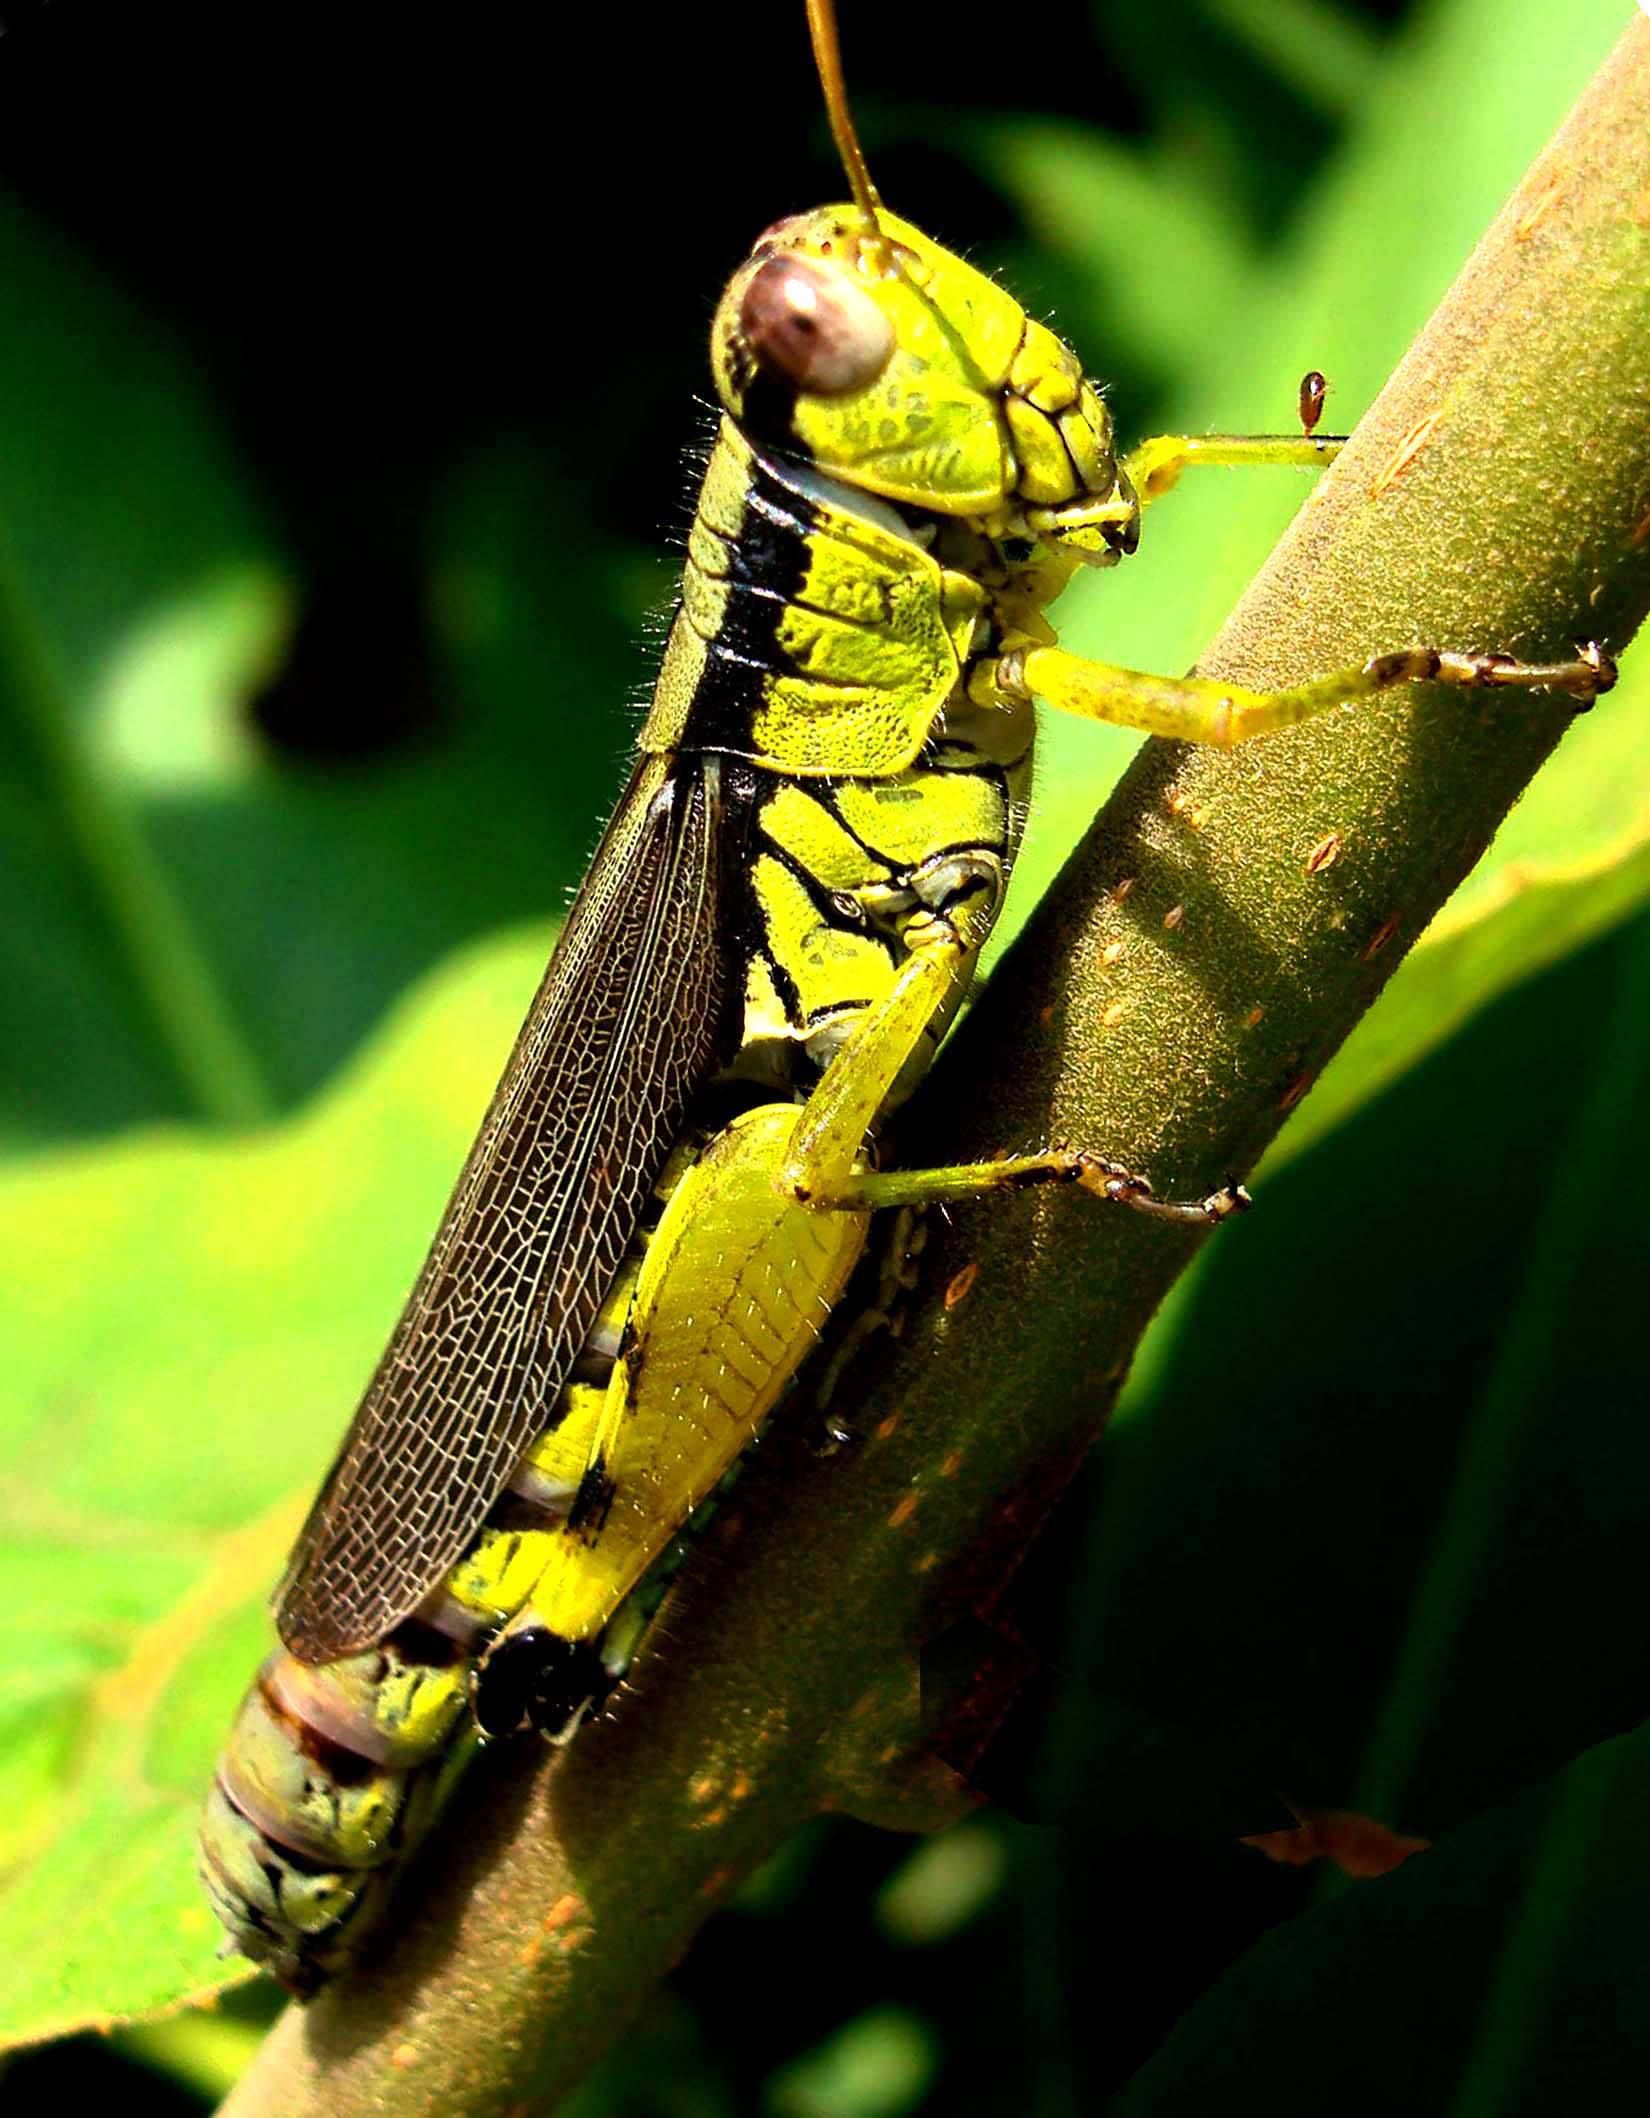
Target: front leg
[[1110, 522], [1154, 468]]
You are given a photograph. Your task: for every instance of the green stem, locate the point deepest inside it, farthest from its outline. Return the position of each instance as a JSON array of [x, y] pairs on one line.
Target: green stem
[[784, 1676]]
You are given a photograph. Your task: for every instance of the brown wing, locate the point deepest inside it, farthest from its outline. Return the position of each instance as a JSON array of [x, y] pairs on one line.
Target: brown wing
[[633, 1013]]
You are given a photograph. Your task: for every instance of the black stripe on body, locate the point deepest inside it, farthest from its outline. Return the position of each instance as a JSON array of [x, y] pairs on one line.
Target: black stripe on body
[[900, 873], [592, 1501], [785, 987], [970, 759], [767, 565], [824, 899]]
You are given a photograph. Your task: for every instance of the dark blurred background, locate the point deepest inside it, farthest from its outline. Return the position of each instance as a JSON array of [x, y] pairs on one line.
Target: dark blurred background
[[436, 288]]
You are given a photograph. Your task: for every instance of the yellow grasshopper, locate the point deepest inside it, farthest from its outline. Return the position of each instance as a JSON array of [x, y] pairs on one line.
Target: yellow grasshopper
[[678, 1173]]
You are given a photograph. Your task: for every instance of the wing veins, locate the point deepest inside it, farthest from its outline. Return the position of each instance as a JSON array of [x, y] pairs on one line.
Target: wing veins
[[508, 1291]]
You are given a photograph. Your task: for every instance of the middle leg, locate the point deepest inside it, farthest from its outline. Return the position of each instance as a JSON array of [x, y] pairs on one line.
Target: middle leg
[[825, 1169]]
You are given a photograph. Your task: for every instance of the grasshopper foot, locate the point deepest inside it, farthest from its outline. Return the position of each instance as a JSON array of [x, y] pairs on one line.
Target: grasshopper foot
[[1111, 1181]]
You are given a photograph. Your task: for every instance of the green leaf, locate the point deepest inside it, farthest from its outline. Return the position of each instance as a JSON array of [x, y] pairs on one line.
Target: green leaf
[[193, 1320]]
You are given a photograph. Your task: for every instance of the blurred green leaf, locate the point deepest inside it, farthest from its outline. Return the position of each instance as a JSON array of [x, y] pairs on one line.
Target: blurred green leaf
[[209, 931], [1325, 51], [944, 1884], [118, 514], [205, 2048], [875, 2067], [191, 1319]]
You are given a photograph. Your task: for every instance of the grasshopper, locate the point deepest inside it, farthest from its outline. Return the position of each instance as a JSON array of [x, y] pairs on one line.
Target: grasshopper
[[678, 1175]]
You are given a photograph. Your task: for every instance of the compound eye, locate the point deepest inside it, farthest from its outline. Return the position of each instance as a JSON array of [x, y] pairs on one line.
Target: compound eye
[[811, 326]]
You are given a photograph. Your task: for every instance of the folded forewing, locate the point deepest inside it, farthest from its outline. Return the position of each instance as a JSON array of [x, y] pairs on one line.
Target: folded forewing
[[632, 1015]]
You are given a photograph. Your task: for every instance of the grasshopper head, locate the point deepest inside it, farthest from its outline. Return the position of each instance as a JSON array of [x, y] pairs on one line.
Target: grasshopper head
[[889, 364]]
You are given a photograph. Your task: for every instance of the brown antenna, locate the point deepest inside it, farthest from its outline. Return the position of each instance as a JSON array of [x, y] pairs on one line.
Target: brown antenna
[[828, 59]]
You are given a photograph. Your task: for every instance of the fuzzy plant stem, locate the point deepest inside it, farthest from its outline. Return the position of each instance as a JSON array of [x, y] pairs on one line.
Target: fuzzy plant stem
[[1225, 923]]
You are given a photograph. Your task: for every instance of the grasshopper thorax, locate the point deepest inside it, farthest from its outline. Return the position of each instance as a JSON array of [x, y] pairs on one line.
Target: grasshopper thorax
[[892, 366]]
